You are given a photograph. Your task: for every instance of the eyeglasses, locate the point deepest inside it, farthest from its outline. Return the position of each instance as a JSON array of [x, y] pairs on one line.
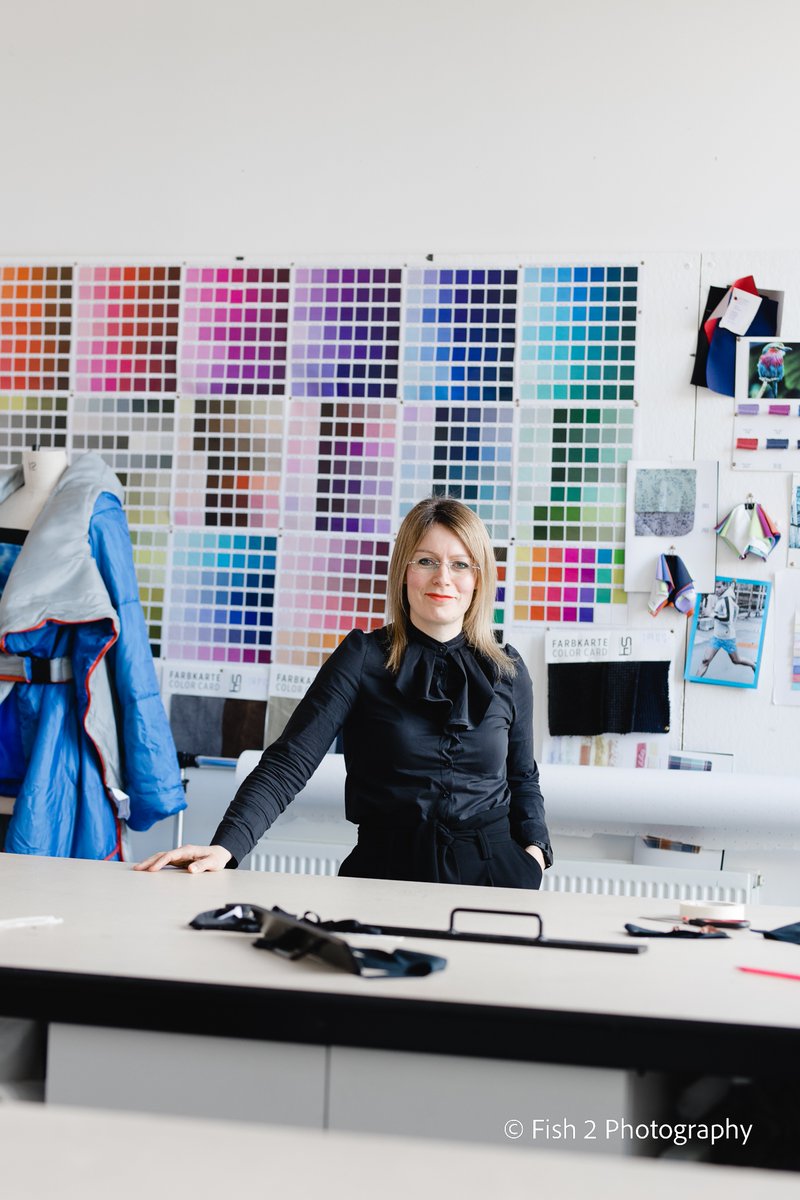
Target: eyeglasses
[[456, 566]]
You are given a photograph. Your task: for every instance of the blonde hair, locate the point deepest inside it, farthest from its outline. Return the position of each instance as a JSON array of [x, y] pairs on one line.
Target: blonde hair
[[469, 529]]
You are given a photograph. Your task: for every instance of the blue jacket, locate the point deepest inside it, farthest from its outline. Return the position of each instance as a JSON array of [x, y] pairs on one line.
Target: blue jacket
[[97, 746]]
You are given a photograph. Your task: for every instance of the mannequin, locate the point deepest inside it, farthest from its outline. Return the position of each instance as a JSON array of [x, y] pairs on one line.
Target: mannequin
[[41, 471], [85, 744]]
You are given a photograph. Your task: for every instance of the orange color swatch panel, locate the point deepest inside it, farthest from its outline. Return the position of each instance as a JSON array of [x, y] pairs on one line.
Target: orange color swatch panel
[[35, 328]]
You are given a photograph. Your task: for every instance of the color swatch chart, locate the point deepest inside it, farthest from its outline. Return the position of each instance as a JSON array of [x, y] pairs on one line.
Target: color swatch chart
[[339, 466], [767, 440], [222, 597], [346, 332], [570, 513], [126, 329], [464, 451], [235, 331], [329, 585], [35, 328], [272, 423], [578, 333], [229, 461], [460, 335]]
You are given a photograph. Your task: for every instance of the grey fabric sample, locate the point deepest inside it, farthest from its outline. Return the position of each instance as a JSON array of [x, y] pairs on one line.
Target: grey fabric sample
[[663, 524], [278, 714], [664, 501], [196, 723]]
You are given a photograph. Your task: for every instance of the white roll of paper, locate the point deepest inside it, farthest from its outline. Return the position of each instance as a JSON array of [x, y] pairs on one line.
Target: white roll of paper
[[722, 910]]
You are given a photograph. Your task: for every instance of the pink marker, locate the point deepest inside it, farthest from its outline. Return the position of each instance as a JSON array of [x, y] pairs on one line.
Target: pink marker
[[773, 974]]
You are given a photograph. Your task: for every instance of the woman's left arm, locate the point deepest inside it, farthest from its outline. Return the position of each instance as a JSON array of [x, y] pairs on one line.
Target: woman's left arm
[[528, 824]]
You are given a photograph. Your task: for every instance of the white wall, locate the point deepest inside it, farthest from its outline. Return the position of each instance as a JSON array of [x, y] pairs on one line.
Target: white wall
[[301, 127], [255, 126]]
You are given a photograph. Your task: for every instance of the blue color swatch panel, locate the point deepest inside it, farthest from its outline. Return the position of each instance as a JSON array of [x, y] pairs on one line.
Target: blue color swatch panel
[[222, 597], [460, 335], [459, 450], [578, 334]]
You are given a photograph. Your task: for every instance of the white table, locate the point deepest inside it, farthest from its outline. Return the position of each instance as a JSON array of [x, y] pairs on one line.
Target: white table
[[144, 1012]]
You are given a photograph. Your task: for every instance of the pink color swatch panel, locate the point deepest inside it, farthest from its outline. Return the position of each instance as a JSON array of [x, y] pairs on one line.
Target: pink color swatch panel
[[235, 331], [126, 330]]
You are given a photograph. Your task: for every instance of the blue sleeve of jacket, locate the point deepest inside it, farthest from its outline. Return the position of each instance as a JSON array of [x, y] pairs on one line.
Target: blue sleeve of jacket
[[151, 775]]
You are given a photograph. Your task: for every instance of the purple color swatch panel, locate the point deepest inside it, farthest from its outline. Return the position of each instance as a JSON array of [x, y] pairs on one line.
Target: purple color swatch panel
[[339, 466], [346, 333], [235, 331]]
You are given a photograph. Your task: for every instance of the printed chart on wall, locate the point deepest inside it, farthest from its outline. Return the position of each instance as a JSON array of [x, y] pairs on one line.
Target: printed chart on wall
[[766, 425], [273, 422]]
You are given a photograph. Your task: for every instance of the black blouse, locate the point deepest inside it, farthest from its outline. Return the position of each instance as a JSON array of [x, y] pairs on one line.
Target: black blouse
[[444, 738]]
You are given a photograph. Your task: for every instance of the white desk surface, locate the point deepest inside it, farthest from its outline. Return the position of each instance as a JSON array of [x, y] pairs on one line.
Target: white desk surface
[[81, 1154], [122, 923]]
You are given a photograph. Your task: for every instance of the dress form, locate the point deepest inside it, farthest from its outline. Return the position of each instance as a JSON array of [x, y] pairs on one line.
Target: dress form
[[42, 470]]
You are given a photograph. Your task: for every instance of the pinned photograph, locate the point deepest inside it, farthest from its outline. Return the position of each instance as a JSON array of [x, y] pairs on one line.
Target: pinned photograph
[[766, 426], [727, 637]]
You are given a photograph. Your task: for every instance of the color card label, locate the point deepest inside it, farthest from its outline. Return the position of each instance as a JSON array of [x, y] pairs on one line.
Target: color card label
[[126, 330], [346, 332], [234, 331], [578, 333], [460, 335], [35, 328]]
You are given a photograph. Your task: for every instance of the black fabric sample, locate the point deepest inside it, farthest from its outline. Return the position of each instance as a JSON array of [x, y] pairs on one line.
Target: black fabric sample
[[785, 933], [619, 697], [698, 379], [243, 725]]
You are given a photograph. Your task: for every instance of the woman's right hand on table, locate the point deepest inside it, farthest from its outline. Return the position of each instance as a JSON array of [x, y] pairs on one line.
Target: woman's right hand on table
[[194, 858]]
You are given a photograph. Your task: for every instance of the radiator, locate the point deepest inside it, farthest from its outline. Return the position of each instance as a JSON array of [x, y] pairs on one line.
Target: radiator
[[600, 878], [298, 858], [592, 878]]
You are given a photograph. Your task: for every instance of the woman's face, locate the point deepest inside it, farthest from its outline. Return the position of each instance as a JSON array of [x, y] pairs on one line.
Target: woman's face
[[438, 599]]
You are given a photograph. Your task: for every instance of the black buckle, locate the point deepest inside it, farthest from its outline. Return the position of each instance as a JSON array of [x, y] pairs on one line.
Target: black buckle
[[40, 670]]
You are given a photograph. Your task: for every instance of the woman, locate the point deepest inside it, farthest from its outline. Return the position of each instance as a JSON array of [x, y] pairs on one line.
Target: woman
[[437, 727]]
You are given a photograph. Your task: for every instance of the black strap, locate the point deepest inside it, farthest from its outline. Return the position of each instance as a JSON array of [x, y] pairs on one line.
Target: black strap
[[640, 931], [297, 937]]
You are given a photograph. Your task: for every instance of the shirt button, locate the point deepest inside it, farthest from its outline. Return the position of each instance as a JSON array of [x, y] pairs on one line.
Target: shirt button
[[447, 795]]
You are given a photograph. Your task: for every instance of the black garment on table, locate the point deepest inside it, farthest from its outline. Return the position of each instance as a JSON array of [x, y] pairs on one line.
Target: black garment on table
[[620, 697], [445, 745]]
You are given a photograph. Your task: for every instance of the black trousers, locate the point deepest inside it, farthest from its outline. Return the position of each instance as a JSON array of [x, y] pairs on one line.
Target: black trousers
[[478, 851]]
